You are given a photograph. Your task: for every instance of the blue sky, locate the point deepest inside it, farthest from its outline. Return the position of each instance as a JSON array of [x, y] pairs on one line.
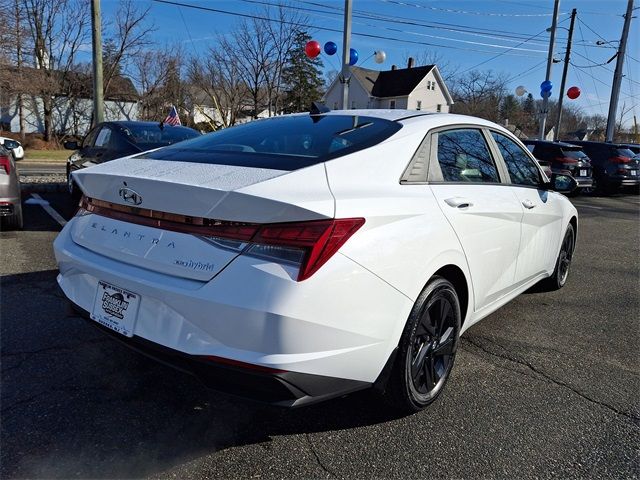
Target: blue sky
[[502, 35]]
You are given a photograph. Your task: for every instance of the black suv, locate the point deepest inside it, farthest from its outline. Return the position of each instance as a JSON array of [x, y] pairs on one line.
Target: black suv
[[613, 165], [564, 158]]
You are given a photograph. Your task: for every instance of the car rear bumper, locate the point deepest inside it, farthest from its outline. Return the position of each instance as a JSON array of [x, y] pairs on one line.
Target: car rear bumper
[[8, 206], [584, 182], [341, 324], [251, 382]]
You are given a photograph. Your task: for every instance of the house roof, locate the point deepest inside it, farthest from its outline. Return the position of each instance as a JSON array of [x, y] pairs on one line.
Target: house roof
[[397, 83], [79, 84]]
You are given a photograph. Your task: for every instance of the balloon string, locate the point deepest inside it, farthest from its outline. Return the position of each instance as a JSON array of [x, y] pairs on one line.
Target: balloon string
[[368, 58]]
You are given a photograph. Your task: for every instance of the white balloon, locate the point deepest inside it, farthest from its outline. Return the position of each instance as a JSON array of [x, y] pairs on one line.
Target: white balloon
[[521, 90], [380, 56]]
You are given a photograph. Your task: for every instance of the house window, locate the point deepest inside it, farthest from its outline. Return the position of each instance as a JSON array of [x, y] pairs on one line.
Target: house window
[[392, 104], [433, 85], [439, 108], [419, 105], [335, 105], [353, 105]]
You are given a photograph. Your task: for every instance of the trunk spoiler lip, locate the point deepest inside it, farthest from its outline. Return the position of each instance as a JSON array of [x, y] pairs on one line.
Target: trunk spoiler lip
[[169, 221]]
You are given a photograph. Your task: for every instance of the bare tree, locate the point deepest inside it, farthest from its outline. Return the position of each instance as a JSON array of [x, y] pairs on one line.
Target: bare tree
[[216, 79], [131, 36], [479, 93], [57, 29], [282, 29], [158, 76]]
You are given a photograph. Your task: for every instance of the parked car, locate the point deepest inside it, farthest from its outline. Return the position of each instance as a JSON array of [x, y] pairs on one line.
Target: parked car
[[634, 147], [10, 198], [111, 140], [14, 146], [563, 158], [302, 257], [613, 165]]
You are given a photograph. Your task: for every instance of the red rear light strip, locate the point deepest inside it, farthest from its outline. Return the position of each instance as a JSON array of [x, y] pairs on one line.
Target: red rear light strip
[[238, 363], [5, 162], [320, 239], [171, 221]]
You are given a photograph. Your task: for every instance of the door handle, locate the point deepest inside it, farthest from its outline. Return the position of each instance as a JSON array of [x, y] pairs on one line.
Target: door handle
[[528, 204], [458, 202]]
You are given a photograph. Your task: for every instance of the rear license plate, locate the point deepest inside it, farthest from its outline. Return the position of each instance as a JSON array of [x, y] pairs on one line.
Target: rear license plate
[[634, 173], [115, 308], [583, 173]]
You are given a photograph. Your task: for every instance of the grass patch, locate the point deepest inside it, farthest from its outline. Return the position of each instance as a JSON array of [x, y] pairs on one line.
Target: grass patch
[[47, 155]]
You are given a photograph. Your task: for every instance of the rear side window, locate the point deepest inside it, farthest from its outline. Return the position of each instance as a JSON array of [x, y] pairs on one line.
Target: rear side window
[[522, 169], [147, 136], [283, 143], [624, 152], [463, 156], [574, 153]]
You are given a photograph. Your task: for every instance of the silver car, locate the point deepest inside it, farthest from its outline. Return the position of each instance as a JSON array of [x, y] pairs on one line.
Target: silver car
[[10, 206]]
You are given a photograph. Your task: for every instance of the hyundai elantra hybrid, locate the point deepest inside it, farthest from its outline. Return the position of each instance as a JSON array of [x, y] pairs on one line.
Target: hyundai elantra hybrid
[[303, 257]]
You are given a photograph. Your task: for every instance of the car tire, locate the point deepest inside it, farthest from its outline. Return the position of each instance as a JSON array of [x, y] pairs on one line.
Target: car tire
[[427, 348], [563, 263], [74, 192], [15, 221]]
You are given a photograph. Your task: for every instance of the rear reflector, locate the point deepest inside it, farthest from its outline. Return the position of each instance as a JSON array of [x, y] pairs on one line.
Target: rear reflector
[[309, 244], [5, 162], [237, 363]]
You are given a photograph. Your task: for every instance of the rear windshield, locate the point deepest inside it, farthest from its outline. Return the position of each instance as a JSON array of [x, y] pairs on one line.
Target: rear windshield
[[152, 136], [575, 153], [283, 143], [624, 152]]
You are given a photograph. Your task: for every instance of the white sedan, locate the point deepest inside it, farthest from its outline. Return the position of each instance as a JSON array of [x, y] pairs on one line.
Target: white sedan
[[303, 257], [14, 146]]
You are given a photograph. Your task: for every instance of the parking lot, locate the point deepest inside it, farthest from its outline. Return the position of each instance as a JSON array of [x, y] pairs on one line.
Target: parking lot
[[548, 386]]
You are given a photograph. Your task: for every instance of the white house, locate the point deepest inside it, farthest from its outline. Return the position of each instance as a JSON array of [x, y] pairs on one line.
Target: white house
[[411, 88], [72, 101]]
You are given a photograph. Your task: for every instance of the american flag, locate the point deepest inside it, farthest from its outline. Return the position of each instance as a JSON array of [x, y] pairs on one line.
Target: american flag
[[173, 118]]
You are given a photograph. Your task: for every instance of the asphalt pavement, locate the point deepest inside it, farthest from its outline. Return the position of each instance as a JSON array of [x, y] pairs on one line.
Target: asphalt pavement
[[547, 386]]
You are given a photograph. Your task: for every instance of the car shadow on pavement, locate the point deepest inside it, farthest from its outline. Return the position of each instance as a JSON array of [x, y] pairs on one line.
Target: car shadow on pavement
[[77, 403]]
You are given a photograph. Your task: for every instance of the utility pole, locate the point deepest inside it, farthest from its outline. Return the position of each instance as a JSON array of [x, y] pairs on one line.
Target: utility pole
[[19, 62], [545, 99], [345, 74], [567, 56], [617, 76], [96, 34]]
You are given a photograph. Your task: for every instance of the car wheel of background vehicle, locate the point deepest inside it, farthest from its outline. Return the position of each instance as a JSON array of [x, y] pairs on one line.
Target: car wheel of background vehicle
[[427, 348], [13, 222], [563, 263], [74, 191]]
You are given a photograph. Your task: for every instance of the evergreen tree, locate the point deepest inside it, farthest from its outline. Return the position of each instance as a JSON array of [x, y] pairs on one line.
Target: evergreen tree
[[302, 77]]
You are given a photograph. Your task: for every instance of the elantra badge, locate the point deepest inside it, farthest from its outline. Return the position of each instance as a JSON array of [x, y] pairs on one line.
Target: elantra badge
[[130, 196]]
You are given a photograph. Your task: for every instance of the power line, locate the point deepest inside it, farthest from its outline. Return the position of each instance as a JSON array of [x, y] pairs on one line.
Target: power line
[[534, 5], [328, 29], [467, 12], [396, 30]]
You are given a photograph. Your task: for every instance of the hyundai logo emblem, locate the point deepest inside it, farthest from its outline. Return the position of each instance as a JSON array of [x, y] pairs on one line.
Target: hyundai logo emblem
[[130, 196]]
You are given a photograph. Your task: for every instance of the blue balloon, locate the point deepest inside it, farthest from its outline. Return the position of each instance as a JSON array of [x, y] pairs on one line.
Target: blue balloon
[[353, 56], [546, 86], [544, 94], [330, 48]]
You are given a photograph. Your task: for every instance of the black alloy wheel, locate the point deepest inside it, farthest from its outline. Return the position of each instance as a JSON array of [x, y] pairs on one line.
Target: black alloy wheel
[[559, 277], [427, 348]]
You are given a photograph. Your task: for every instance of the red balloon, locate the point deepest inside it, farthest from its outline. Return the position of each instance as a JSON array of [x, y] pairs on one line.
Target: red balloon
[[573, 93], [312, 49]]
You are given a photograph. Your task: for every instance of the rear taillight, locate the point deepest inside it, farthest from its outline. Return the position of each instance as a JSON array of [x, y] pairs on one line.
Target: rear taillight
[[566, 160], [619, 160], [623, 171], [311, 244], [5, 162]]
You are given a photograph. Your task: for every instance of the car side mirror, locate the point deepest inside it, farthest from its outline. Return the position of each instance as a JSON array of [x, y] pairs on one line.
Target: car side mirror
[[71, 145], [562, 183]]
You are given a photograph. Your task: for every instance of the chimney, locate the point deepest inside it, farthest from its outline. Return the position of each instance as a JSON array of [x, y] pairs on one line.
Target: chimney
[[410, 62], [393, 67]]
